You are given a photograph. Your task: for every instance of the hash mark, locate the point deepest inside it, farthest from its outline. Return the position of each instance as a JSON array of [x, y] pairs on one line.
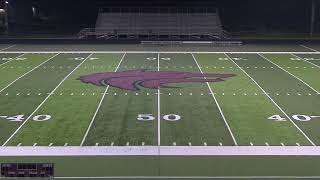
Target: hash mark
[[205, 143], [282, 144], [297, 144], [267, 144], [35, 144], [97, 144], [50, 144], [220, 143], [112, 143], [174, 143], [189, 144], [66, 144], [143, 143], [251, 144], [127, 144], [19, 144]]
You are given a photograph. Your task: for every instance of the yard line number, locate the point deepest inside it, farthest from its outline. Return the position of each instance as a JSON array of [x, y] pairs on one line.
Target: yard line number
[[150, 117], [298, 117], [306, 59], [21, 117], [83, 58], [154, 58], [234, 58], [10, 59]]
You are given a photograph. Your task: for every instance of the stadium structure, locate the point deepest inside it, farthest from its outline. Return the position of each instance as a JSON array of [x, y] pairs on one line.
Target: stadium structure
[[154, 89]]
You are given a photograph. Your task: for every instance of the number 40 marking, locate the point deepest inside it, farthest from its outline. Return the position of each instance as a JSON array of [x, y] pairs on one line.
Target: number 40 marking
[[20, 118], [303, 118]]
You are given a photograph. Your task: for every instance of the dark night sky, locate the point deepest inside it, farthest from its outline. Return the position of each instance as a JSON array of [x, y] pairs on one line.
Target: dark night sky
[[234, 13]]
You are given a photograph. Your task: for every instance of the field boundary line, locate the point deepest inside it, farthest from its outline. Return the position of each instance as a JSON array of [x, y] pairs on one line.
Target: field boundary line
[[159, 110], [28, 72], [290, 73], [13, 59], [167, 52], [7, 47], [99, 105], [216, 101], [306, 47], [72, 151], [44, 101], [190, 177], [305, 60], [301, 131]]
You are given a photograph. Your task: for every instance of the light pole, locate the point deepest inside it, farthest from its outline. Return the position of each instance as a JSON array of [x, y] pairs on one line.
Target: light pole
[[312, 21]]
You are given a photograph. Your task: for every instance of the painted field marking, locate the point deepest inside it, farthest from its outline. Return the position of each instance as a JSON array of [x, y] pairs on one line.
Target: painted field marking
[[99, 105], [308, 48], [166, 52], [158, 108], [289, 74], [301, 131], [13, 59], [7, 47], [27, 73], [305, 60], [44, 101], [216, 101]]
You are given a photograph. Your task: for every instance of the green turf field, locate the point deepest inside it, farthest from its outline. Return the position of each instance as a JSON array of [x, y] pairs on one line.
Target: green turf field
[[272, 99], [263, 97]]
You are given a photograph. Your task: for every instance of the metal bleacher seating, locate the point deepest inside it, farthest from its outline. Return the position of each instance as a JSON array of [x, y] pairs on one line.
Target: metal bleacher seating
[[156, 26]]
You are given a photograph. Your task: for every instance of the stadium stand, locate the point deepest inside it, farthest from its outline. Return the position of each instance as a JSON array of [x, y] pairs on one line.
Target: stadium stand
[[158, 24]]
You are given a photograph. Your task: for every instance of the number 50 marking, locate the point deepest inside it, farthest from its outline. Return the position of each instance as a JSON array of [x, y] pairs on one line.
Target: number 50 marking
[[150, 117]]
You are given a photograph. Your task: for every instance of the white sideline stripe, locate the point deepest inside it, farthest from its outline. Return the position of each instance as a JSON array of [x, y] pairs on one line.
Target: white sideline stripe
[[99, 105], [303, 133], [28, 72], [159, 151], [190, 177], [289, 73], [13, 59], [308, 48], [7, 47], [216, 101], [159, 118], [305, 60], [45, 100], [167, 52]]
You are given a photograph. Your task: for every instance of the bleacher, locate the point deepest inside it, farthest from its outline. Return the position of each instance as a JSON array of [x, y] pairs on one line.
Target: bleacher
[[156, 25]]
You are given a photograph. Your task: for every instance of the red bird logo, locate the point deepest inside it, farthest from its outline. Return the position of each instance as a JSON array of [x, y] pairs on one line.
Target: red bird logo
[[131, 80]]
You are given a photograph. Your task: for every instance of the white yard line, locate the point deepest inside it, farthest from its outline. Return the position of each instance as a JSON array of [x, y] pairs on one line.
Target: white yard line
[[216, 101], [44, 101], [192, 177], [301, 131], [7, 47], [308, 48], [290, 74], [99, 105], [53, 151], [167, 52], [27, 73], [305, 60], [159, 118], [13, 59]]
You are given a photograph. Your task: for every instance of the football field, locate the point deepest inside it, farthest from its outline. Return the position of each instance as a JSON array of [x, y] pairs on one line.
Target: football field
[[140, 100]]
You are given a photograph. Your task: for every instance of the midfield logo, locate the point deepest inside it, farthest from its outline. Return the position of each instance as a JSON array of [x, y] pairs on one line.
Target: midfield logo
[[132, 80]]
